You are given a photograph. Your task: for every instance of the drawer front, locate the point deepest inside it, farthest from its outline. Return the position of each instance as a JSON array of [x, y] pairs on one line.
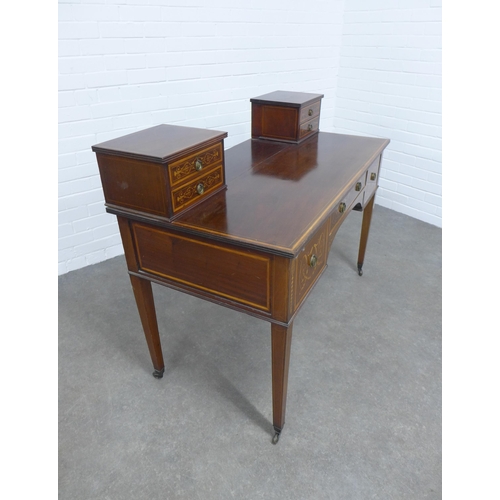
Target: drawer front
[[309, 112], [353, 196], [309, 264], [182, 170], [198, 188], [372, 173], [309, 127], [211, 268]]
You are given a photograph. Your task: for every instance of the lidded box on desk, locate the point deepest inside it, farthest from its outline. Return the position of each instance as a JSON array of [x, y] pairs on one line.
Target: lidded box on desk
[[285, 116], [163, 170]]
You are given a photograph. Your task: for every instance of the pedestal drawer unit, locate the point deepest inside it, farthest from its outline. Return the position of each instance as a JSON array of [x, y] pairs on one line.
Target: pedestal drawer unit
[[163, 170], [285, 116]]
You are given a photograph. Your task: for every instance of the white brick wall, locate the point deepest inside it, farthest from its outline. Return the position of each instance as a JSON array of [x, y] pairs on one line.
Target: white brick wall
[[389, 85], [125, 65]]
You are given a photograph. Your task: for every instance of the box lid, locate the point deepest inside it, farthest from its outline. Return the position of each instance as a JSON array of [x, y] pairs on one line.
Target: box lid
[[161, 143], [287, 98]]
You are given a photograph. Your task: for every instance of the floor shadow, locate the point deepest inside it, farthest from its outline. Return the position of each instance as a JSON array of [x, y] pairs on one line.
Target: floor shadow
[[227, 389], [187, 352]]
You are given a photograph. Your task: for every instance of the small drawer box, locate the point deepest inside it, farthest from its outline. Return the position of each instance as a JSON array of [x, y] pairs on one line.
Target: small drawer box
[[285, 116], [163, 170]]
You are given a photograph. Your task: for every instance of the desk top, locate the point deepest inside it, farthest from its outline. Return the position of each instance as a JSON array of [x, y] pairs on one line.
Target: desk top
[[278, 193], [160, 143], [285, 98]]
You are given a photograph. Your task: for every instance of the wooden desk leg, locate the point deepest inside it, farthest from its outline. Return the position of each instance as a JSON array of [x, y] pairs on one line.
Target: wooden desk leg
[[281, 341], [365, 229], [145, 303]]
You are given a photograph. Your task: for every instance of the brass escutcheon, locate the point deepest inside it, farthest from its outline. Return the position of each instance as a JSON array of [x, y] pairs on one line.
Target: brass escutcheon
[[342, 207], [313, 260], [310, 126], [310, 112], [358, 186], [200, 188], [373, 176], [198, 165]]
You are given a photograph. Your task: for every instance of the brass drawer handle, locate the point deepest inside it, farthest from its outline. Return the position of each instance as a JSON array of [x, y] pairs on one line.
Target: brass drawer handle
[[342, 207], [313, 260], [310, 112], [200, 188], [198, 165], [310, 127], [373, 176], [358, 186]]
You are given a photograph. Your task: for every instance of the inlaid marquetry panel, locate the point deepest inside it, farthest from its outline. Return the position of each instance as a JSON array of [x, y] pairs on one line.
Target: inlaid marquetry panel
[[197, 189], [309, 264], [192, 165]]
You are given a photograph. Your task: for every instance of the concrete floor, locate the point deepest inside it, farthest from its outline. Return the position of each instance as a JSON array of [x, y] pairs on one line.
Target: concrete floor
[[364, 394]]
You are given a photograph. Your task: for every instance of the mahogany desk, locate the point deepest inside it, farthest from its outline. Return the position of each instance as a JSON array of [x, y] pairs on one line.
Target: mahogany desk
[[260, 245]]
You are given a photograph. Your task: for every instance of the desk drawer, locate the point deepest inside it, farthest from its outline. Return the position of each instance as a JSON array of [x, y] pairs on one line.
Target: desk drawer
[[195, 164], [209, 268], [309, 127], [348, 201], [309, 112], [309, 264], [371, 180], [198, 188], [372, 173]]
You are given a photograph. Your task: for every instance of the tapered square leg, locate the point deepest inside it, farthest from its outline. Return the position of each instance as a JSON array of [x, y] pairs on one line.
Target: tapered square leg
[[365, 229], [145, 304], [281, 341]]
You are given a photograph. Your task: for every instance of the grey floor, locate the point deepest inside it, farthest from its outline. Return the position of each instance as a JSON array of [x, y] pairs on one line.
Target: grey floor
[[364, 394]]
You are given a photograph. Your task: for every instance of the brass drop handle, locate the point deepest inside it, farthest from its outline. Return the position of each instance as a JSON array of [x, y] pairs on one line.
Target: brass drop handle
[[310, 126], [198, 165], [313, 260], [342, 207], [200, 188], [310, 112], [373, 176], [358, 186]]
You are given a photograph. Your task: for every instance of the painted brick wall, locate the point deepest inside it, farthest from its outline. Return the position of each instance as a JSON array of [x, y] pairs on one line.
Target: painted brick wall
[[125, 65], [389, 85]]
